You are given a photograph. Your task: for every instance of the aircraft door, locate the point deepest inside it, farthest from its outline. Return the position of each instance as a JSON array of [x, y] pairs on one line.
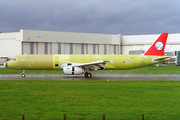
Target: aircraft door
[[56, 63], [143, 60], [58, 60], [22, 62]]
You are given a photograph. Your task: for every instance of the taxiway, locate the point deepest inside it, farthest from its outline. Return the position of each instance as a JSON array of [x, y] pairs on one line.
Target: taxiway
[[117, 77]]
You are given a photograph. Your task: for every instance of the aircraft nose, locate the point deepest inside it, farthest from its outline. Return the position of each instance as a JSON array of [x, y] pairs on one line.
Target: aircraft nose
[[5, 64]]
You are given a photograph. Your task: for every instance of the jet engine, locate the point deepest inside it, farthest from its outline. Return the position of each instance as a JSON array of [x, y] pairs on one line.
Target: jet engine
[[72, 70]]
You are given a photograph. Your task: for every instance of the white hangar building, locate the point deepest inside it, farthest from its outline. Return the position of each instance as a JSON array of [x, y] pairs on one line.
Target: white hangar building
[[52, 42]]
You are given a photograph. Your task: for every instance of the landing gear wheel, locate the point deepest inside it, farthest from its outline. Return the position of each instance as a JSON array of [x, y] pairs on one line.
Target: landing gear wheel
[[23, 75], [85, 74], [89, 75]]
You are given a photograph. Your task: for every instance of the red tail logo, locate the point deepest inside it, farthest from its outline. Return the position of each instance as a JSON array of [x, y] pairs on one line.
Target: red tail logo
[[157, 48]]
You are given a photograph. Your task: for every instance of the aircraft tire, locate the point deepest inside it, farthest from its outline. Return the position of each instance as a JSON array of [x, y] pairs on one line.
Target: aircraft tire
[[23, 75], [89, 75], [86, 74]]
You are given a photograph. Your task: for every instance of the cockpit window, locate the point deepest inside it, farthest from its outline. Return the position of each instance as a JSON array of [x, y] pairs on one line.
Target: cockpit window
[[12, 59]]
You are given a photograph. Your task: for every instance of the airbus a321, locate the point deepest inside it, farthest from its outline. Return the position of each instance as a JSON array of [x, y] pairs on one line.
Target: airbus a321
[[82, 64]]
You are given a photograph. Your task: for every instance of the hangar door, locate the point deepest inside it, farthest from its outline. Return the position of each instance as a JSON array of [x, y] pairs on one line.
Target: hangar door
[[177, 54]]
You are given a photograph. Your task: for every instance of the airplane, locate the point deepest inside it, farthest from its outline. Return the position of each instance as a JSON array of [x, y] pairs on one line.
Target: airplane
[[82, 64]]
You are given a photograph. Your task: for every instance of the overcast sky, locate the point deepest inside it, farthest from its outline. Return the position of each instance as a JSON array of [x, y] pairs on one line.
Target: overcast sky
[[126, 17]]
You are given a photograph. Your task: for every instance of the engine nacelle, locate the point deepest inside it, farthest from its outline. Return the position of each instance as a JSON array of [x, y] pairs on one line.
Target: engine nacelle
[[72, 70]]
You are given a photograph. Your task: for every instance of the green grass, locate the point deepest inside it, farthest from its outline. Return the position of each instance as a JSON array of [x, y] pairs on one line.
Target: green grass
[[89, 100], [171, 69]]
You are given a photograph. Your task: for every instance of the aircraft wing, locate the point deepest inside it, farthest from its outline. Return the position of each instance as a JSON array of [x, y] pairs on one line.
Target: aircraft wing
[[98, 65]]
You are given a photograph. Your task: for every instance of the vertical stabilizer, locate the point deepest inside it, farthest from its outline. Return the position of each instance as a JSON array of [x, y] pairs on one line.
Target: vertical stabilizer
[[157, 48]]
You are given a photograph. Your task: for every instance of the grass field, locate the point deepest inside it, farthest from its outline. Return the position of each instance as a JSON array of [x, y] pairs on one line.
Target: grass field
[[89, 100], [171, 69]]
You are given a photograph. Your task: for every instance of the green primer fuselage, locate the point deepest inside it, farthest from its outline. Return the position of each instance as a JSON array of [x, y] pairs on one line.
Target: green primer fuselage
[[52, 62]]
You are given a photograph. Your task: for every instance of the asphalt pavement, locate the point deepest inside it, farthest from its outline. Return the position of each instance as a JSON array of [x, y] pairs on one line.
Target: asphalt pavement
[[108, 77]]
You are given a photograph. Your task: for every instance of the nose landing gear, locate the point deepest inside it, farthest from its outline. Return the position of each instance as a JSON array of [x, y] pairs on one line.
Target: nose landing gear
[[23, 75]]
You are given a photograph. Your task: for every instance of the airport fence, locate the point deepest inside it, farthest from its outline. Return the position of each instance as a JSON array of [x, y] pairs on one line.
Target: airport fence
[[94, 116]]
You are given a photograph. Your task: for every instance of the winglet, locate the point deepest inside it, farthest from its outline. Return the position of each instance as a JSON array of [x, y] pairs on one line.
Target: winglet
[[157, 48]]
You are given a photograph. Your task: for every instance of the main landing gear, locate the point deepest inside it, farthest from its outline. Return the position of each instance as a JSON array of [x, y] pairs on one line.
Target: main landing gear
[[87, 75], [23, 75]]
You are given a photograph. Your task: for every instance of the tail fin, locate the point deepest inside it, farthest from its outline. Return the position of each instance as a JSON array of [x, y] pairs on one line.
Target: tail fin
[[157, 48]]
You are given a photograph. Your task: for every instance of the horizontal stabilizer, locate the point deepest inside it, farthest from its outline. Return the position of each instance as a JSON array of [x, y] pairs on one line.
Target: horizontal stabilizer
[[162, 58]]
